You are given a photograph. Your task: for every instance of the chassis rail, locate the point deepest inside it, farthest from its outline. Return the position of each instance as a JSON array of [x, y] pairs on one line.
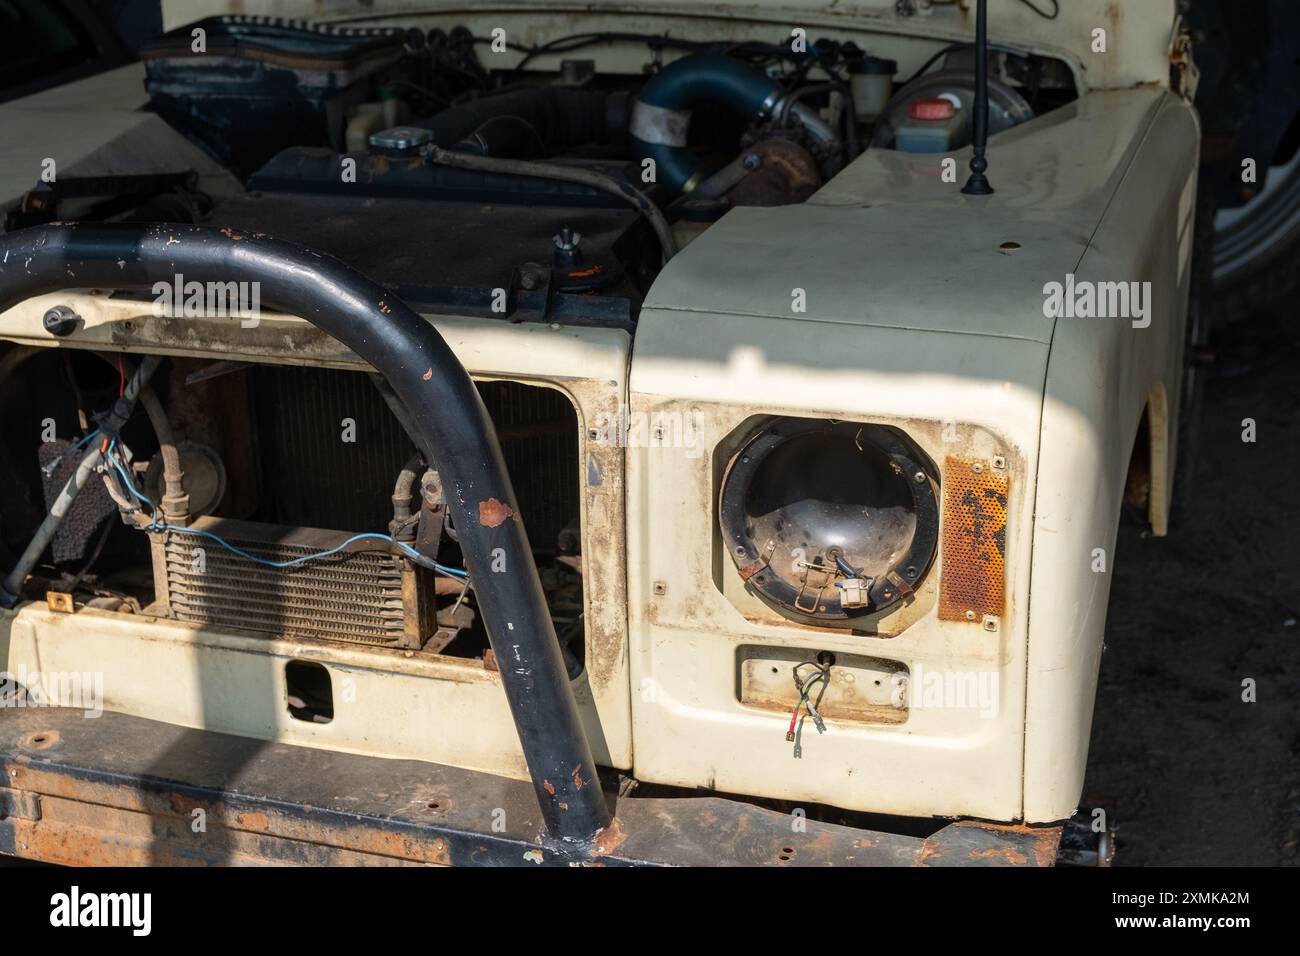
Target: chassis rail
[[121, 790]]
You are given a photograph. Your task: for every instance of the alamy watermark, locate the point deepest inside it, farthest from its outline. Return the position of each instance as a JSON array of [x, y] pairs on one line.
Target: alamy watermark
[[1074, 299], [194, 299], [82, 691], [928, 689], [628, 429]]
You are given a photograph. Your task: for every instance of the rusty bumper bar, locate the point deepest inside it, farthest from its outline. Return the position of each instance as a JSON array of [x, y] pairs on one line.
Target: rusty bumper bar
[[120, 790]]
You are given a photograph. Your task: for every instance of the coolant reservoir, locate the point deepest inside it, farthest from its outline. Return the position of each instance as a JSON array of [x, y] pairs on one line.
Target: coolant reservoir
[[871, 80], [932, 126]]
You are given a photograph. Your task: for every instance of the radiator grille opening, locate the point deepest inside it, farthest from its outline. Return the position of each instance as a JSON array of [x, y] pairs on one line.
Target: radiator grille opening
[[314, 459]]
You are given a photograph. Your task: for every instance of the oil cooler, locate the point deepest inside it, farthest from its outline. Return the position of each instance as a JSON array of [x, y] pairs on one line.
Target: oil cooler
[[356, 596]]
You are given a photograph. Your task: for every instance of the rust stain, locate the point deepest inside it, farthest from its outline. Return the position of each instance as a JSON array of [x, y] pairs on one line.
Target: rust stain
[[929, 851], [549, 787], [252, 821], [40, 740], [231, 234], [383, 307], [492, 513], [577, 778], [609, 839], [1040, 842], [428, 375]]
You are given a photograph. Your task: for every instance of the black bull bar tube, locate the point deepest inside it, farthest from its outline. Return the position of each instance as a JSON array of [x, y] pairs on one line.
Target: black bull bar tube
[[451, 424]]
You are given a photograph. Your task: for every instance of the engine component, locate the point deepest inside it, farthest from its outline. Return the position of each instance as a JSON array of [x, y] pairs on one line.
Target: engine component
[[661, 113], [829, 521], [205, 477], [785, 173], [572, 174], [871, 80], [956, 84], [359, 596], [530, 123], [933, 126], [260, 84]]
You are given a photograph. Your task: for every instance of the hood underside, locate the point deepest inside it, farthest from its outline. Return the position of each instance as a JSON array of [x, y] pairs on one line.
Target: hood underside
[[1137, 36]]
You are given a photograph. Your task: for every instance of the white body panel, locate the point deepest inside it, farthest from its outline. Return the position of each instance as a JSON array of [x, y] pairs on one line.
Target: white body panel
[[916, 318]]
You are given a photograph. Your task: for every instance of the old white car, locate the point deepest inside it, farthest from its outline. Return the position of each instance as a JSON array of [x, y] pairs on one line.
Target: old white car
[[586, 431]]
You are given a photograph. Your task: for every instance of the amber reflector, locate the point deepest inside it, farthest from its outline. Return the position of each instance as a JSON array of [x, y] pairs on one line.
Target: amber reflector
[[973, 540]]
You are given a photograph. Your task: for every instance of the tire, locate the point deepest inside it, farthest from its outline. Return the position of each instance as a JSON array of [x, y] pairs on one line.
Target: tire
[[1257, 247], [1202, 311]]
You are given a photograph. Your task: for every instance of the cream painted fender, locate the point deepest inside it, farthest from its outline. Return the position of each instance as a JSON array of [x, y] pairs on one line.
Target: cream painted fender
[[1102, 375], [916, 319]]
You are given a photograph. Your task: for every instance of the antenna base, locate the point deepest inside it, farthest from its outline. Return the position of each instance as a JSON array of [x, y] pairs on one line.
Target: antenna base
[[977, 185]]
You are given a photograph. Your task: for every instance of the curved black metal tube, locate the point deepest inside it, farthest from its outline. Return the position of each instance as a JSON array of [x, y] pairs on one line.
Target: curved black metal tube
[[444, 407]]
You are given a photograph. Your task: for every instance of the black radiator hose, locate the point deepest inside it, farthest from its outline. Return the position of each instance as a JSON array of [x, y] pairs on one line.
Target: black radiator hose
[[444, 407], [560, 118]]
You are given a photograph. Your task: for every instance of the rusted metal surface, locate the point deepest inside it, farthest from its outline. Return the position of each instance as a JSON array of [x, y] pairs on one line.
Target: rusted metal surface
[[788, 174], [120, 790], [973, 534], [861, 689], [493, 513], [970, 843]]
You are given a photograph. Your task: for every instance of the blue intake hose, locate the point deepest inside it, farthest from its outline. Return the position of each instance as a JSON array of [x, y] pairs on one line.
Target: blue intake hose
[[661, 113]]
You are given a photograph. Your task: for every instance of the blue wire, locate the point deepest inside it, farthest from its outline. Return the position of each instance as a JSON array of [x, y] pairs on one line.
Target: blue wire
[[375, 536], [81, 444]]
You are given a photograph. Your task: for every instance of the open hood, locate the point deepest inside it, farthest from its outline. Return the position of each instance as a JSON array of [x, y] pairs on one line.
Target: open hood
[[1138, 36]]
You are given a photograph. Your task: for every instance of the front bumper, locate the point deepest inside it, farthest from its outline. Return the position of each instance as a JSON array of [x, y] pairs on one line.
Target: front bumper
[[122, 790]]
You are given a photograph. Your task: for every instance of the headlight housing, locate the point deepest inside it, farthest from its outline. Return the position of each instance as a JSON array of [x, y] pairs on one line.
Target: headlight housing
[[828, 522]]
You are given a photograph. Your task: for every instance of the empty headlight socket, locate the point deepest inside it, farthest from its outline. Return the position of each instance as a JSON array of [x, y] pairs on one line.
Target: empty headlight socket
[[829, 521]]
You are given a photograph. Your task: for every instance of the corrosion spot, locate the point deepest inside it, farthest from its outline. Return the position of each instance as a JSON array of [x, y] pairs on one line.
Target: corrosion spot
[[549, 787], [383, 307], [252, 821], [609, 839], [492, 513], [428, 374], [577, 778], [231, 234]]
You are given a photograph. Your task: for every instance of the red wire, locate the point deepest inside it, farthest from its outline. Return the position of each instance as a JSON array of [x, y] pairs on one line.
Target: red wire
[[121, 390]]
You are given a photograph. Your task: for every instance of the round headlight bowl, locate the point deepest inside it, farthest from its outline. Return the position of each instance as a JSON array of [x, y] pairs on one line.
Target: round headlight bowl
[[809, 507]]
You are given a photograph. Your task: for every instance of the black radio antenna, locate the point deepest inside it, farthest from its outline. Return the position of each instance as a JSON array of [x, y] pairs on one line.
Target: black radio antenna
[[978, 183]]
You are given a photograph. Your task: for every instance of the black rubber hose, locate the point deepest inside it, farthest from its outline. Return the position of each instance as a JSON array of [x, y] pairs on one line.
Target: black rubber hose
[[567, 174], [563, 118], [444, 406]]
